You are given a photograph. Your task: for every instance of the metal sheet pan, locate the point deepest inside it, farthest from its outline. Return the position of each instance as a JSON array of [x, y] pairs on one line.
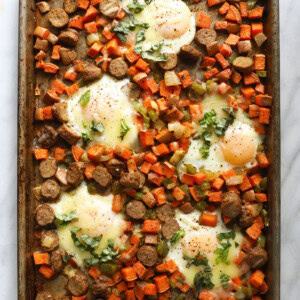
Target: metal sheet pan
[[27, 168]]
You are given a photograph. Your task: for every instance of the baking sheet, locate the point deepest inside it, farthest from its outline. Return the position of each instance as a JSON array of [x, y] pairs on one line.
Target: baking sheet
[[27, 167]]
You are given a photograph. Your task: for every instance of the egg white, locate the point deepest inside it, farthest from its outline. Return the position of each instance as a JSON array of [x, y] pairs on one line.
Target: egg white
[[108, 104], [203, 239], [170, 22], [95, 218], [216, 161]]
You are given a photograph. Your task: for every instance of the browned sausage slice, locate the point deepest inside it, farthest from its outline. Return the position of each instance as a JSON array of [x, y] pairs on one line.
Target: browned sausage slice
[[57, 261], [231, 205], [44, 215], [169, 228], [205, 36], [100, 288], [50, 189], [132, 90], [189, 53], [44, 295], [165, 212], [58, 17], [78, 284], [136, 210], [109, 8], [70, 6], [60, 111], [245, 218], [147, 255], [47, 136], [171, 63], [48, 168], [69, 37], [67, 56], [49, 240], [91, 72], [43, 6], [75, 174], [243, 64], [256, 257], [118, 68], [68, 134], [41, 45], [102, 176], [115, 167], [134, 180]]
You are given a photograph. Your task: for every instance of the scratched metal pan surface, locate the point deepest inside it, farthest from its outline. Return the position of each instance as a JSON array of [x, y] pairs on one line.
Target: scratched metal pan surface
[[28, 177]]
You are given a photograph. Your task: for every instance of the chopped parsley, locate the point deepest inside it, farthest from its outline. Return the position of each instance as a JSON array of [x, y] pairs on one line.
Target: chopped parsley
[[222, 253], [85, 98], [226, 235], [140, 36], [153, 53], [202, 281], [86, 138], [66, 257], [136, 7], [64, 219], [124, 129], [97, 127], [224, 278], [177, 236], [199, 260], [210, 123]]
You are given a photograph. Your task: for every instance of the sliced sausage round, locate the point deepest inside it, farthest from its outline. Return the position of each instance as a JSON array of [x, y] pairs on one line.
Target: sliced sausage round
[[57, 261], [91, 72], [231, 205], [243, 64], [75, 174], [50, 189], [43, 6], [169, 228], [70, 6], [100, 288], [44, 215], [256, 257], [47, 136], [67, 56], [109, 8], [68, 134], [189, 53], [134, 180], [78, 284], [165, 212], [147, 255], [48, 168], [171, 63], [115, 167], [58, 17], [69, 37], [245, 218], [102, 176], [44, 295], [136, 210], [205, 36], [49, 240], [132, 90], [118, 68], [60, 111]]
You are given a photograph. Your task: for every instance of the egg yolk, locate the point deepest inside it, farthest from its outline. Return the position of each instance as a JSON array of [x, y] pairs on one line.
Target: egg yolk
[[238, 145], [172, 18]]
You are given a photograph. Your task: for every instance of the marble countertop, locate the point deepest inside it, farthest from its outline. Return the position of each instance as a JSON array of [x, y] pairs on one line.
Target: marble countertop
[[290, 128]]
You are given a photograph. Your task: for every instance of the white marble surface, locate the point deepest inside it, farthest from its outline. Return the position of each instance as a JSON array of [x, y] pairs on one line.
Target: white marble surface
[[290, 128]]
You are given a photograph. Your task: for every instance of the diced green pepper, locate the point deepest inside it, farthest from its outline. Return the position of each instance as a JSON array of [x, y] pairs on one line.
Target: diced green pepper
[[262, 74], [261, 241], [109, 268], [205, 185], [201, 205], [162, 248], [191, 169], [153, 115], [199, 88], [139, 196], [92, 188], [251, 4]]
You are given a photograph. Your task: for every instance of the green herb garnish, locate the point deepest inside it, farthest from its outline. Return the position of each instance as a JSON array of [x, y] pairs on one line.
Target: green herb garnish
[[226, 235], [66, 257], [224, 280], [177, 236], [98, 127], [124, 129], [86, 138], [85, 98], [199, 260], [222, 253], [65, 219], [136, 7], [202, 281]]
